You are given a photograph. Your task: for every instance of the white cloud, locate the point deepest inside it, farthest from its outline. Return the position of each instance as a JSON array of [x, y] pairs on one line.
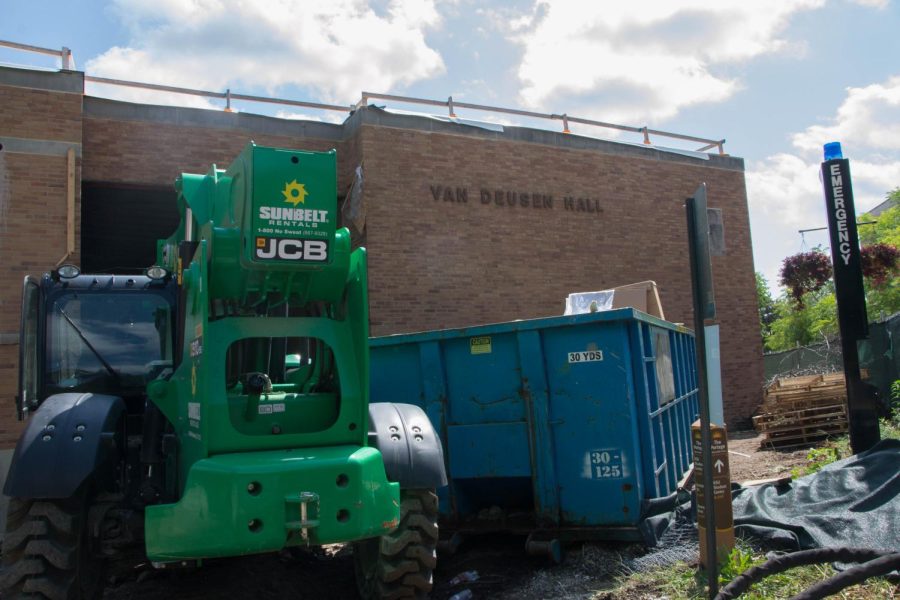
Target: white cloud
[[872, 3], [868, 118], [784, 189], [785, 192], [337, 48], [645, 60]]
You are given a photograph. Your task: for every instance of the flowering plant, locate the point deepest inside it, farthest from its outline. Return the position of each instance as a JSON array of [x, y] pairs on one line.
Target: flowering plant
[[879, 261], [805, 272]]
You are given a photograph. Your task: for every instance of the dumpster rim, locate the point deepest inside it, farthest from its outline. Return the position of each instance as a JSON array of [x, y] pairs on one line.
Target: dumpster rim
[[618, 314]]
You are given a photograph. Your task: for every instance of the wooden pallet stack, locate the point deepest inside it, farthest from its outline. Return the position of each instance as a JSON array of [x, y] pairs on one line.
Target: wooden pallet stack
[[799, 410]]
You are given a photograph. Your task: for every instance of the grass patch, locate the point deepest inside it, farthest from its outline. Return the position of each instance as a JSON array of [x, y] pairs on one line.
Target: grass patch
[[890, 428], [683, 581], [838, 448], [686, 582], [817, 458]]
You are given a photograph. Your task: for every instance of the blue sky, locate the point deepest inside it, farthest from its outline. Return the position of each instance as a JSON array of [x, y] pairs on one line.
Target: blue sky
[[776, 78]]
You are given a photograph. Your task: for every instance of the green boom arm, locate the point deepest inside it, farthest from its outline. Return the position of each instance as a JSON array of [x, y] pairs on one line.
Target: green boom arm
[[269, 397]]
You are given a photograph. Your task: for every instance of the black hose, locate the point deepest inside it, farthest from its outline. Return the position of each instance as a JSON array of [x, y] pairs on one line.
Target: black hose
[[783, 562], [852, 576]]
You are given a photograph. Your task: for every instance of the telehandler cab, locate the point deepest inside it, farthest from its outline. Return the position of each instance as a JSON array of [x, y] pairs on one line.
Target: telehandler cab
[[218, 404]]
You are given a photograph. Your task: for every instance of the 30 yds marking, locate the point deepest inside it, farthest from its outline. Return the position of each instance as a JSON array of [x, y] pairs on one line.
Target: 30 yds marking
[[586, 356]]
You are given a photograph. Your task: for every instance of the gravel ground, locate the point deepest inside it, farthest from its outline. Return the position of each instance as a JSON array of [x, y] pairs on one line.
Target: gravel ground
[[506, 572]]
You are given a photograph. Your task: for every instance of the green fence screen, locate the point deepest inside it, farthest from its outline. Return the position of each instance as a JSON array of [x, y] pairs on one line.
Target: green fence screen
[[877, 354]]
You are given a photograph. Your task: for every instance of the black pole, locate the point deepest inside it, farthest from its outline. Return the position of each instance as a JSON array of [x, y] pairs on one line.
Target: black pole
[[850, 294], [701, 283]]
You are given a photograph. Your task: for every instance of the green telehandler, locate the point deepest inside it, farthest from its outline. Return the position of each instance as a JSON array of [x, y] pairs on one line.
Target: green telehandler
[[217, 405]]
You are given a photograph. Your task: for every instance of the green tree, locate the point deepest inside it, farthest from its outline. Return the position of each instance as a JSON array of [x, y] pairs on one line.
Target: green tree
[[797, 325], [790, 328], [767, 312], [801, 324], [887, 225], [883, 300]]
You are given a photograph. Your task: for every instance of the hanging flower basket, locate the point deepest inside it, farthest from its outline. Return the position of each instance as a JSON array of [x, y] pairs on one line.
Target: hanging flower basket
[[804, 273], [879, 263]]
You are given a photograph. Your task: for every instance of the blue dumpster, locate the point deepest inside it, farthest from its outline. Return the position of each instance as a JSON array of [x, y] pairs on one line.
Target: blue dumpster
[[566, 424]]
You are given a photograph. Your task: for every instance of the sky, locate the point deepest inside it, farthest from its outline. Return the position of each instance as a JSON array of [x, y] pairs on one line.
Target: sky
[[776, 78]]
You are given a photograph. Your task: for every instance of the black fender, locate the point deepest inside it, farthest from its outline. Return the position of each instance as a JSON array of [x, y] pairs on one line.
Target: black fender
[[70, 438], [412, 451]]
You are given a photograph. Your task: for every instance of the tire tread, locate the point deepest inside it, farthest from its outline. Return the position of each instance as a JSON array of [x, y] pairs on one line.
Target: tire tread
[[407, 555], [42, 548]]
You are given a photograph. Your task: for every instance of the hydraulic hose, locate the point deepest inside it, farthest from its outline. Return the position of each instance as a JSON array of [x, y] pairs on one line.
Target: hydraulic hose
[[852, 576], [777, 564]]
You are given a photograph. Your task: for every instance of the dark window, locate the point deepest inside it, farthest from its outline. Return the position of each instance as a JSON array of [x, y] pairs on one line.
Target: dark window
[[120, 225], [104, 341]]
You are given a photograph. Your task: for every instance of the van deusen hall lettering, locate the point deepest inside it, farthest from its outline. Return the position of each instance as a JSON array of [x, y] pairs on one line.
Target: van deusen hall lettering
[[511, 199]]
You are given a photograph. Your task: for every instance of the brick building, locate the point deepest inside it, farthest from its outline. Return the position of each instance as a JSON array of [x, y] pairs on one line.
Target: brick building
[[464, 225]]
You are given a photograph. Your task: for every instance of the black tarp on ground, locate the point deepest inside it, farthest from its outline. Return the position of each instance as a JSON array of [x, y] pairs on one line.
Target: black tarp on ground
[[852, 502]]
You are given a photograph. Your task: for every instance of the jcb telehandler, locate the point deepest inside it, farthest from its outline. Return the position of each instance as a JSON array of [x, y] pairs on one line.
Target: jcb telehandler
[[217, 405]]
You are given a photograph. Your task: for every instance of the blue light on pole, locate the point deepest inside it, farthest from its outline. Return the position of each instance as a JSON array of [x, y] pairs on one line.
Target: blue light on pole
[[833, 151]]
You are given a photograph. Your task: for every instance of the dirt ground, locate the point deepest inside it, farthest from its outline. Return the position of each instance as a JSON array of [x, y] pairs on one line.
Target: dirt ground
[[505, 571], [748, 462]]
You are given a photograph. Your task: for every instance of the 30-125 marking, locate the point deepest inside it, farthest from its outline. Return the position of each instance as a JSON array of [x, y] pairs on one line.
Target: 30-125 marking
[[607, 464]]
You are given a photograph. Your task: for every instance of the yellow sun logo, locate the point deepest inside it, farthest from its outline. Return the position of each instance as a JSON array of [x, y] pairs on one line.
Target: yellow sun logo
[[294, 192]]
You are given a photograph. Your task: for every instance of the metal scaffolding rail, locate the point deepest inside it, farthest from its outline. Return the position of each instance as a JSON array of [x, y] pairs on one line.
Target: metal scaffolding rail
[[67, 63]]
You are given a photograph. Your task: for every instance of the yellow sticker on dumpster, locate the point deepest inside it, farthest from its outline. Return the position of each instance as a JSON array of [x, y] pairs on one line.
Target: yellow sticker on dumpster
[[480, 345]]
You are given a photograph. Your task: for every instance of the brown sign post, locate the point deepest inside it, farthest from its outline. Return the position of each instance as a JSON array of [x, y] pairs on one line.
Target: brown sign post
[[721, 496]]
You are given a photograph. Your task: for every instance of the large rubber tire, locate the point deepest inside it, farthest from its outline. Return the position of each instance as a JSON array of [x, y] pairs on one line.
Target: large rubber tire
[[400, 564], [47, 551]]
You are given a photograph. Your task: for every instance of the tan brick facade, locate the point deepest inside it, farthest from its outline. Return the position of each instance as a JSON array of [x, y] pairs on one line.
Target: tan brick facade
[[501, 244], [444, 263], [40, 119]]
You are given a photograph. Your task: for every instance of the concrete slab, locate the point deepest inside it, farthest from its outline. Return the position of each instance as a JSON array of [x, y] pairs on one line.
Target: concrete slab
[[200, 117], [59, 81], [42, 147], [372, 115]]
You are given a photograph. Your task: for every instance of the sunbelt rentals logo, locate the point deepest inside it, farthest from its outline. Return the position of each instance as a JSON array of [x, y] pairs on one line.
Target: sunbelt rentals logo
[[294, 193], [283, 231]]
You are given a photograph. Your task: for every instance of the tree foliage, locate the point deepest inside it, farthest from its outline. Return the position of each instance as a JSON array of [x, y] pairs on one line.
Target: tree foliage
[[887, 227], [767, 314], [796, 325], [807, 311]]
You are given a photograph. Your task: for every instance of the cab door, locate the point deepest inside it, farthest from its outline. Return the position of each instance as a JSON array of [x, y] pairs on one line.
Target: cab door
[[29, 348]]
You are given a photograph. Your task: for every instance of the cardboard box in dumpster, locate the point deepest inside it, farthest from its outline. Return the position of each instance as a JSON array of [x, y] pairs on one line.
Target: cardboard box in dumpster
[[643, 296]]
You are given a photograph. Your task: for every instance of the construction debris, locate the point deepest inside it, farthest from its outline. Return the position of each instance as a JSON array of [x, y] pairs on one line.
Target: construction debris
[[800, 410]]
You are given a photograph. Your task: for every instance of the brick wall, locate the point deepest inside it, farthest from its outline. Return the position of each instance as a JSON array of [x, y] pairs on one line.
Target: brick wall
[[153, 153], [433, 263], [40, 120], [445, 263], [154, 147]]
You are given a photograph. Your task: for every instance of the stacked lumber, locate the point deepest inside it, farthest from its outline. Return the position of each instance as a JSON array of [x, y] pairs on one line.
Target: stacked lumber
[[799, 410]]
